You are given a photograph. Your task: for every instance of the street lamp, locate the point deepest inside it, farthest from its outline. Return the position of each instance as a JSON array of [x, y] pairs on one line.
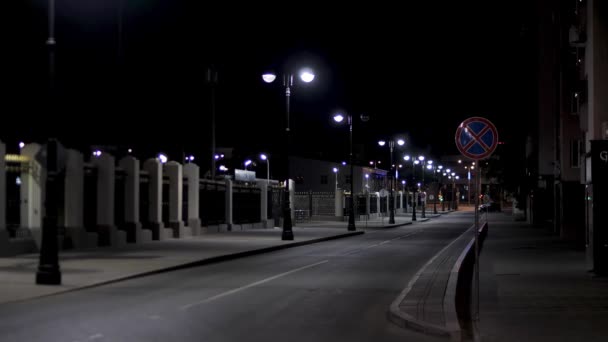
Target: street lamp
[[391, 202], [422, 188], [414, 163], [307, 76], [431, 167], [453, 190], [247, 163], [267, 160], [335, 170], [339, 118]]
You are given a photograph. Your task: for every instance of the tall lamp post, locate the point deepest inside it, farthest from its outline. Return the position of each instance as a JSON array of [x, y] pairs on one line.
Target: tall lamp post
[[339, 118], [391, 202], [307, 76], [436, 171], [422, 192], [414, 162], [267, 160], [431, 167]]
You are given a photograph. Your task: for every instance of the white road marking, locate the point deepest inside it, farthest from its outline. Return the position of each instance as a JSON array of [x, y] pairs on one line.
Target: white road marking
[[378, 244], [227, 293], [95, 337]]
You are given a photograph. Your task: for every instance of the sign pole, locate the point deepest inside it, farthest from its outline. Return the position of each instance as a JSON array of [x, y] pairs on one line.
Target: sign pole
[[476, 271], [476, 138]]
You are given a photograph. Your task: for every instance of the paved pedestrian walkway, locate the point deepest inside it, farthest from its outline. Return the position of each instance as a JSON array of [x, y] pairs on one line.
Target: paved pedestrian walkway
[[535, 287]]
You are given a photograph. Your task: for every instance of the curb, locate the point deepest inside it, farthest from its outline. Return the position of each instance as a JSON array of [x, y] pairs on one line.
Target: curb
[[405, 320], [211, 260]]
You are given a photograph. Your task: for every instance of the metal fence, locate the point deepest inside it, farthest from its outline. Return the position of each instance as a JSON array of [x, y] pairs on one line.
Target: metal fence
[[315, 203], [212, 202], [247, 206]]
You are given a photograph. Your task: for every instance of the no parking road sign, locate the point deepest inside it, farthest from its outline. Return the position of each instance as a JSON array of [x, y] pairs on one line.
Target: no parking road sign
[[476, 138]]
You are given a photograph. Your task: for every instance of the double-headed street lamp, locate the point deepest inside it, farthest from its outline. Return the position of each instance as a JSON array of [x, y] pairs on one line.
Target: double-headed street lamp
[[307, 76], [339, 118], [391, 202]]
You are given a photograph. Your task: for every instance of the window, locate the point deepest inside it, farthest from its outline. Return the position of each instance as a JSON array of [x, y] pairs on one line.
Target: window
[[323, 179], [575, 154]]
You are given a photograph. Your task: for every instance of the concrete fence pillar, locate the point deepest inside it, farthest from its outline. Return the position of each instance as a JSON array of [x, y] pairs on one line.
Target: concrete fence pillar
[[32, 191], [132, 221], [109, 235], [192, 174], [229, 202], [176, 188], [263, 185], [339, 203], [155, 196]]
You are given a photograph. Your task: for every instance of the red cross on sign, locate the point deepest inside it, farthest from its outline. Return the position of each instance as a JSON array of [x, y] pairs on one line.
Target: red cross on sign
[[476, 138]]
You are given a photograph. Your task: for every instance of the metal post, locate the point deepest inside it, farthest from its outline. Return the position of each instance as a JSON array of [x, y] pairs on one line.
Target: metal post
[[478, 191], [287, 224], [436, 191], [351, 214], [423, 198], [212, 80], [414, 192], [391, 200], [267, 171], [48, 267]]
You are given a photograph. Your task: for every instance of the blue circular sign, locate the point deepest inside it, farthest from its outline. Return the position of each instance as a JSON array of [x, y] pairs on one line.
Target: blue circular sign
[[476, 138]]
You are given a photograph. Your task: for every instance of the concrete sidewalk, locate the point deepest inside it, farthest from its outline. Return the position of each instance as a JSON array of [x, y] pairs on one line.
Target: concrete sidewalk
[[535, 287], [96, 266]]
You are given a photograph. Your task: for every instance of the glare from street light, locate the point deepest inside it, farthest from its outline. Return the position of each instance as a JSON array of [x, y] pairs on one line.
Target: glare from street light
[[163, 158], [335, 170], [338, 118], [430, 162], [416, 162], [343, 163], [406, 158], [421, 158], [307, 76], [247, 162], [263, 156], [428, 167], [400, 142], [21, 144], [381, 142], [269, 78]]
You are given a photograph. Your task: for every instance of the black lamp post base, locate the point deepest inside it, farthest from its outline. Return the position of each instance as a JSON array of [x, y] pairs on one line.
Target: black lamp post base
[[391, 219], [351, 222], [287, 235], [287, 225], [48, 275]]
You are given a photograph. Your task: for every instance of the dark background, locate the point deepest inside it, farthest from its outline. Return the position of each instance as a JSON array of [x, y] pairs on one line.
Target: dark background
[[417, 69]]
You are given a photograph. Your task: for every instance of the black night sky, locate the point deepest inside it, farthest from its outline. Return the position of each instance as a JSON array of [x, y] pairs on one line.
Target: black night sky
[[417, 69]]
